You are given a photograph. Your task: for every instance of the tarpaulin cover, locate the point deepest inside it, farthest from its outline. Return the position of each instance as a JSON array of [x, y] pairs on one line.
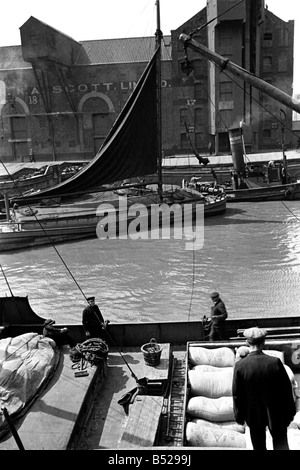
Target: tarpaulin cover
[[130, 149], [27, 362]]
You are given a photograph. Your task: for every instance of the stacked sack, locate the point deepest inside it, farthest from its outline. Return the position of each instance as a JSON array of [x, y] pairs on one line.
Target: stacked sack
[[210, 405]]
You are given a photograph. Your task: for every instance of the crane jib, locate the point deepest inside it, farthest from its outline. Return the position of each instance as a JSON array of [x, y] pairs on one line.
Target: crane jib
[[238, 71]]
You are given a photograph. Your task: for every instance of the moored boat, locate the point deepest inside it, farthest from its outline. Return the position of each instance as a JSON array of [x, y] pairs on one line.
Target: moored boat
[[126, 401], [258, 182], [256, 193], [252, 182], [132, 149], [282, 192], [21, 179], [76, 221]]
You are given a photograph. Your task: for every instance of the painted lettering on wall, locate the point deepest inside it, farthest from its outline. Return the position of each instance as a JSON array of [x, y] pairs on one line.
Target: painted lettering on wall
[[33, 99], [97, 87]]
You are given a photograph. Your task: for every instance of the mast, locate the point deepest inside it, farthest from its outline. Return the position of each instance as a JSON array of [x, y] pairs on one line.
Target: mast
[[238, 71], [282, 143], [158, 35]]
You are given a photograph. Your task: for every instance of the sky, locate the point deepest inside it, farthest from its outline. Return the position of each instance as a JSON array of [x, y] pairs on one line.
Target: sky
[[104, 19]]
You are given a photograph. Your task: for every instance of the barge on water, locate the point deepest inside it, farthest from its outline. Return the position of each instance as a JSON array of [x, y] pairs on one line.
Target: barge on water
[[128, 402]]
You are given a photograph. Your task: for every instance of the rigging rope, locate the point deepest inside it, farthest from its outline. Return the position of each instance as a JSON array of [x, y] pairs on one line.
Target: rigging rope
[[93, 350], [294, 215], [260, 104], [69, 271], [191, 34], [6, 280], [193, 286], [45, 232]]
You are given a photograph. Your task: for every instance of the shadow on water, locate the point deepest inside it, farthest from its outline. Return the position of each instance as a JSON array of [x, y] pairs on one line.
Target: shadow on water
[[244, 218]]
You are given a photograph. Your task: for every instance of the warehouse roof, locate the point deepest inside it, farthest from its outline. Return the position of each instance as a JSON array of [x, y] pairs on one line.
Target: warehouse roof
[[107, 51], [99, 51]]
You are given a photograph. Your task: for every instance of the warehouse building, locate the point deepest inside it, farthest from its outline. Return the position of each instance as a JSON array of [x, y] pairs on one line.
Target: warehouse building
[[59, 97]]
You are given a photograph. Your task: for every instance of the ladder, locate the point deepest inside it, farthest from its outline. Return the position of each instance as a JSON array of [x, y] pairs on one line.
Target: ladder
[[175, 406]]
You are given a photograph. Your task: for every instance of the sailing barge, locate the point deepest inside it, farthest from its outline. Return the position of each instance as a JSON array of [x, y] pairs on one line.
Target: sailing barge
[[132, 149], [123, 402]]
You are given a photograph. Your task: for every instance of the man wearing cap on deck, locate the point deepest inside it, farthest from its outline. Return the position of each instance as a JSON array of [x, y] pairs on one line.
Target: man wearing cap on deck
[[262, 394], [218, 317], [92, 320], [59, 335]]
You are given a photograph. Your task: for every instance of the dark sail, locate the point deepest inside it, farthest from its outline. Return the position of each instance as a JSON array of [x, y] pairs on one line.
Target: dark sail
[[129, 150]]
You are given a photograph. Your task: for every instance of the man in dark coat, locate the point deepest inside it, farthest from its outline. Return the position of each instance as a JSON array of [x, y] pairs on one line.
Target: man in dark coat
[[262, 394], [218, 317], [93, 321]]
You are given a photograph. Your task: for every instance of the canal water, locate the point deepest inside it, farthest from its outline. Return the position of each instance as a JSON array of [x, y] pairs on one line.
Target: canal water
[[251, 255]]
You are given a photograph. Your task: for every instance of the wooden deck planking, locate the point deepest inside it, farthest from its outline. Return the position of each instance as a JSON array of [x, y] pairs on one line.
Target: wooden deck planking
[[142, 422], [110, 427]]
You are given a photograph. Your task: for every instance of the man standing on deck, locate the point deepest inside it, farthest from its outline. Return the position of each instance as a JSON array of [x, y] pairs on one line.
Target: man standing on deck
[[93, 321], [262, 394], [218, 317]]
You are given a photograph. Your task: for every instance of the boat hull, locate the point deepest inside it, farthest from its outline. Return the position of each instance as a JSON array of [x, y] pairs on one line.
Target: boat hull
[[19, 318], [285, 192], [97, 394], [82, 223], [35, 237]]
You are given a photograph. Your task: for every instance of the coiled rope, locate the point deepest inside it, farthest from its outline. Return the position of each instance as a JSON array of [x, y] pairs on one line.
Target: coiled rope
[[93, 350]]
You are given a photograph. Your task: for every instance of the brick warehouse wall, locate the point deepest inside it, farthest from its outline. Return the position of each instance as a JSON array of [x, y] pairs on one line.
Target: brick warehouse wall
[[62, 100], [96, 93], [79, 119]]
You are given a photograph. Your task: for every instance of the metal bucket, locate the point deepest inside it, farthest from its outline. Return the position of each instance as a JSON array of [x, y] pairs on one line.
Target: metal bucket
[[152, 352]]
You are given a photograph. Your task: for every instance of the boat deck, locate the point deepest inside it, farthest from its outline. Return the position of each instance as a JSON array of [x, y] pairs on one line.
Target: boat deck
[[83, 413], [71, 413], [110, 427], [53, 419]]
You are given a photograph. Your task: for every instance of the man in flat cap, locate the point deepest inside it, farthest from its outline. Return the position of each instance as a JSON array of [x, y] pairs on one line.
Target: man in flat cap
[[59, 335], [218, 317], [93, 321], [262, 394]]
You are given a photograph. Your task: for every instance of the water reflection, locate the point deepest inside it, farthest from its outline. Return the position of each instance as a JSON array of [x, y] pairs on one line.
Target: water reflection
[[251, 255]]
